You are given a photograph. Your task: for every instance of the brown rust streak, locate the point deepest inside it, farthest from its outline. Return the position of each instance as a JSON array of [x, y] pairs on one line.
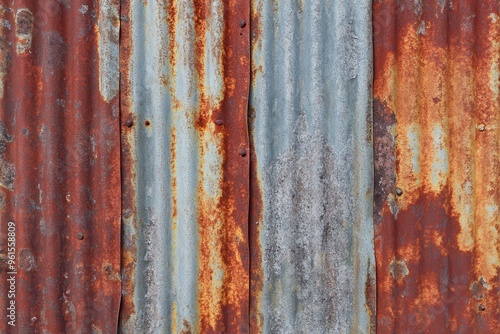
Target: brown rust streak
[[236, 167], [223, 224], [436, 81], [129, 210], [255, 223]]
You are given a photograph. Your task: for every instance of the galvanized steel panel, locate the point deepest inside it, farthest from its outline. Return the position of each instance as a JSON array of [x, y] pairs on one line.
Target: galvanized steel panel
[[436, 166], [59, 165], [186, 73], [311, 214]]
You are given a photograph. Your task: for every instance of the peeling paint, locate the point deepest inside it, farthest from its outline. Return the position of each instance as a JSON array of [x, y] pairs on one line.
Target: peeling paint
[[109, 50], [398, 269], [7, 170], [24, 30]]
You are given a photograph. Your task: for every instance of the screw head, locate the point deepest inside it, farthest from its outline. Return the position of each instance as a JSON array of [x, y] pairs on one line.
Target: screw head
[[243, 152], [218, 122], [129, 122], [79, 235], [481, 307], [399, 191], [481, 127], [243, 24]]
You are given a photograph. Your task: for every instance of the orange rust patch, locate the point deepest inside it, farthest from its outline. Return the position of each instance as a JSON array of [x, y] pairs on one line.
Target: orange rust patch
[[436, 87]]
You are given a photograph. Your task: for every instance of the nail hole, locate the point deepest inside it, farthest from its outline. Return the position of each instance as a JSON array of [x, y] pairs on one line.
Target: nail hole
[[148, 123], [243, 152], [79, 235]]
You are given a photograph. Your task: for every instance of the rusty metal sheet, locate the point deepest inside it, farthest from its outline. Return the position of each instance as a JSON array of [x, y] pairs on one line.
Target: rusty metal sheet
[[311, 231], [436, 165], [185, 78], [59, 165]]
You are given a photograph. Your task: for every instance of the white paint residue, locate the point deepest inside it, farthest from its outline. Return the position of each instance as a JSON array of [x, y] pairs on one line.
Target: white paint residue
[[109, 32]]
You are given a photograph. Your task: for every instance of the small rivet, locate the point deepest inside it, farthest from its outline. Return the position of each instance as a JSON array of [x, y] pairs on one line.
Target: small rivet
[[218, 122], [243, 24], [481, 127], [79, 235], [243, 152], [129, 122], [399, 191], [481, 307]]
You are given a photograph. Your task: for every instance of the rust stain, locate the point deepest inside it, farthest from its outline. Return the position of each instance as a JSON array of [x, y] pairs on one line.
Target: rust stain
[[59, 144], [7, 170], [224, 258], [129, 210], [436, 165], [255, 223]]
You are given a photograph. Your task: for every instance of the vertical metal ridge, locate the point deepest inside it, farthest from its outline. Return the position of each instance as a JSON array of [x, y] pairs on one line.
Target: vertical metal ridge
[[436, 156], [310, 111]]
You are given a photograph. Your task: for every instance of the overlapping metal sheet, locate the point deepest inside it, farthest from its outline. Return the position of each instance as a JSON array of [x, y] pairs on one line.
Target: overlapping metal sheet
[[60, 165], [186, 261], [186, 73], [436, 165], [313, 265]]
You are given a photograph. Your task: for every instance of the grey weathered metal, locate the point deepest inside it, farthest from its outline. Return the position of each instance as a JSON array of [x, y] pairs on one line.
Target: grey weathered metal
[[311, 120]]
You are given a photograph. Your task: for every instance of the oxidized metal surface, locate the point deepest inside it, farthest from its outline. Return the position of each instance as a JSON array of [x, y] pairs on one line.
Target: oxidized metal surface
[[311, 225], [436, 166], [59, 164], [185, 78]]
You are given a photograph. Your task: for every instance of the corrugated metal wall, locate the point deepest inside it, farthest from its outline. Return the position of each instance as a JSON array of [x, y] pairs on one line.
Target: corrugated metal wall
[[186, 74], [246, 180], [310, 115], [60, 165], [436, 114]]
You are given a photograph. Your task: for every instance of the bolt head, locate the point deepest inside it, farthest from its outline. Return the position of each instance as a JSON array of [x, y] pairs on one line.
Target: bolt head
[[129, 122]]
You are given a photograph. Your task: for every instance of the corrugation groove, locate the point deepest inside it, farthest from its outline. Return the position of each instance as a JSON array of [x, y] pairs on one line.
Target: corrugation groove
[[185, 70], [59, 163], [436, 165], [311, 212]]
